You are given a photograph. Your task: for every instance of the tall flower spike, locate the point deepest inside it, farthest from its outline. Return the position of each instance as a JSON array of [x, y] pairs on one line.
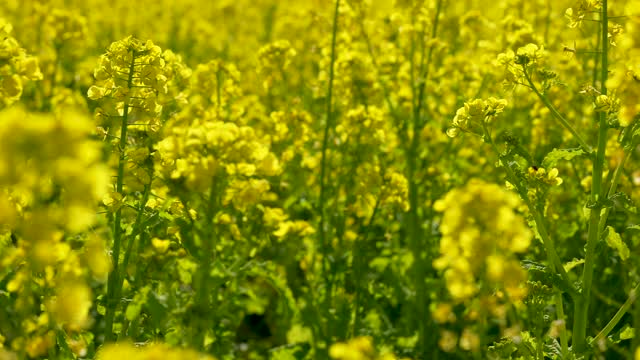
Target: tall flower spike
[[132, 74]]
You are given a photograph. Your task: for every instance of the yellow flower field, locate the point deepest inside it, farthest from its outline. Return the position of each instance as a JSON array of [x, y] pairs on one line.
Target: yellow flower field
[[344, 179]]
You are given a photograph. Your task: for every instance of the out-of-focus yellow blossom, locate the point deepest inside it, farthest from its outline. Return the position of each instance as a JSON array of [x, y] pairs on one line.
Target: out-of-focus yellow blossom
[[476, 241], [39, 345], [367, 127], [360, 348], [97, 258], [52, 179], [469, 340], [448, 341], [443, 313], [244, 193], [576, 15], [153, 351], [297, 227], [71, 305], [274, 59], [276, 218], [7, 355]]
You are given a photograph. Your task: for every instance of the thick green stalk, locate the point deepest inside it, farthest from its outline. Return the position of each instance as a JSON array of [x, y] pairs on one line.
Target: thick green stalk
[[112, 283], [582, 306]]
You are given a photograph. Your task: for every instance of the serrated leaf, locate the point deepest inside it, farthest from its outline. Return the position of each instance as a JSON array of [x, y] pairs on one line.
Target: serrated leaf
[[539, 272], [556, 155], [624, 201], [615, 242], [553, 350]]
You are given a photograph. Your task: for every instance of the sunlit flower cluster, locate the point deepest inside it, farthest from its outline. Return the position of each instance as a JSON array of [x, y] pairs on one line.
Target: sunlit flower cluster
[[474, 116]]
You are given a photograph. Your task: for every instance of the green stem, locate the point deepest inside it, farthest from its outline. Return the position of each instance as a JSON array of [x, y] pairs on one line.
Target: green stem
[[204, 292], [616, 318], [112, 283], [323, 162], [416, 239], [556, 113], [564, 336], [582, 306], [383, 83], [127, 253], [358, 267], [612, 189], [136, 230]]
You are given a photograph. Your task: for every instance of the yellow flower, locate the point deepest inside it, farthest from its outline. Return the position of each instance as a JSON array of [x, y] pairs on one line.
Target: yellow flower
[[39, 345], [529, 54], [479, 226], [474, 114], [356, 349], [71, 305]]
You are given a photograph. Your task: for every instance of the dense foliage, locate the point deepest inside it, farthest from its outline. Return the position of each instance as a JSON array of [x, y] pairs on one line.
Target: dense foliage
[[346, 179]]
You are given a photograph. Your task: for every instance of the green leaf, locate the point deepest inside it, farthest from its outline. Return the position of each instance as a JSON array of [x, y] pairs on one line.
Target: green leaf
[[615, 242], [540, 272], [135, 306], [299, 334], [157, 309], [627, 333], [556, 155], [573, 263]]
